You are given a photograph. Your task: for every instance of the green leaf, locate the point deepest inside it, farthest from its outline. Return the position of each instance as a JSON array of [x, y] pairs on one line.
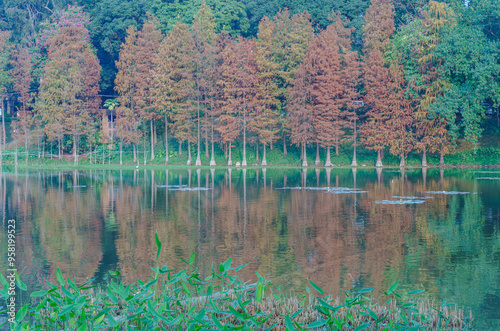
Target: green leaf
[[259, 290], [38, 294], [240, 267], [362, 327], [82, 327], [288, 323], [416, 292], [20, 283], [237, 314], [60, 278], [393, 287], [217, 323], [158, 244], [366, 290], [191, 258], [21, 314], [226, 265], [317, 288], [115, 273], [317, 324]]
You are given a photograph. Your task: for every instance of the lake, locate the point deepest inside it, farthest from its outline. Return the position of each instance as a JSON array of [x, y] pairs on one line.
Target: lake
[[430, 229]]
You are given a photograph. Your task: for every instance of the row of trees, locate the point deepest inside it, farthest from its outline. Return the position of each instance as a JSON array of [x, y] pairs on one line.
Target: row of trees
[[408, 89]]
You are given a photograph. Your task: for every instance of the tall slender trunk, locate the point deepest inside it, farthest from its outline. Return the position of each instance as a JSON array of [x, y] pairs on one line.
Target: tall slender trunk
[[166, 138], [264, 161], [424, 157], [60, 150], [328, 162], [354, 161], [284, 144], [189, 153], [337, 146], [304, 153], [441, 155], [318, 161], [180, 147], [152, 140], [257, 151], [26, 148], [229, 161], [134, 152], [198, 152], [379, 159], [402, 162], [121, 151], [244, 161], [75, 160]]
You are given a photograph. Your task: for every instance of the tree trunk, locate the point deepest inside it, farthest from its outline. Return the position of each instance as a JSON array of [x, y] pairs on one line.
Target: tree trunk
[[60, 150], [152, 140], [166, 138], [26, 148], [212, 158], [244, 161], [229, 161], [328, 162], [318, 161], [441, 155], [134, 152], [402, 162], [257, 152], [424, 158], [354, 162], [264, 161], [180, 147], [284, 145], [304, 153], [379, 159], [121, 151], [337, 147], [75, 160], [189, 153]]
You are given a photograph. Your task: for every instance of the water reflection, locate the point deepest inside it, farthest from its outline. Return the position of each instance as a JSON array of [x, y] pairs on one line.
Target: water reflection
[[89, 222]]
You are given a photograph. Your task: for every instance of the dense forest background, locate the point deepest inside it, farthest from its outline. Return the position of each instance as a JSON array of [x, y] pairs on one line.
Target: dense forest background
[[405, 76]]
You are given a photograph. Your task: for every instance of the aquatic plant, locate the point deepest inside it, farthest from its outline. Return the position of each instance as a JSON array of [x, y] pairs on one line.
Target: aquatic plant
[[184, 300]]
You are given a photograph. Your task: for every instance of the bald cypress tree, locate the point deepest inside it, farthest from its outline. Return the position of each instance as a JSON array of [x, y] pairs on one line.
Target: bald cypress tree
[[265, 119], [173, 84], [379, 26], [70, 88]]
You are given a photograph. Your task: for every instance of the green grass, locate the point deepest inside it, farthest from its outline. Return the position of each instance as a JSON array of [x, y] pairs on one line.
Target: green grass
[[486, 155], [185, 300]]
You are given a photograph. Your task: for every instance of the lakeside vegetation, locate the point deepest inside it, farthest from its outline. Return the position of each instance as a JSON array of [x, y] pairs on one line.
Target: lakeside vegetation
[[185, 299]]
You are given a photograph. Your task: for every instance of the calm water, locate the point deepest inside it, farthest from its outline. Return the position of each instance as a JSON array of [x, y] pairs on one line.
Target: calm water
[[90, 222]]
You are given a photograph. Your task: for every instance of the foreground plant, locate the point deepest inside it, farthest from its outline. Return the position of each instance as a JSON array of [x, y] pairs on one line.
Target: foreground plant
[[222, 301]]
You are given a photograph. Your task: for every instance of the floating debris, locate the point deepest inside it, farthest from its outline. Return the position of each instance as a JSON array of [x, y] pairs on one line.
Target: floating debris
[[334, 190], [412, 198], [400, 202], [446, 192], [487, 177], [191, 189], [170, 186], [345, 190], [79, 186], [304, 188]]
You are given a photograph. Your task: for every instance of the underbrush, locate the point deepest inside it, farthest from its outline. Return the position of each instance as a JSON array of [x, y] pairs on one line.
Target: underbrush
[[183, 300]]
